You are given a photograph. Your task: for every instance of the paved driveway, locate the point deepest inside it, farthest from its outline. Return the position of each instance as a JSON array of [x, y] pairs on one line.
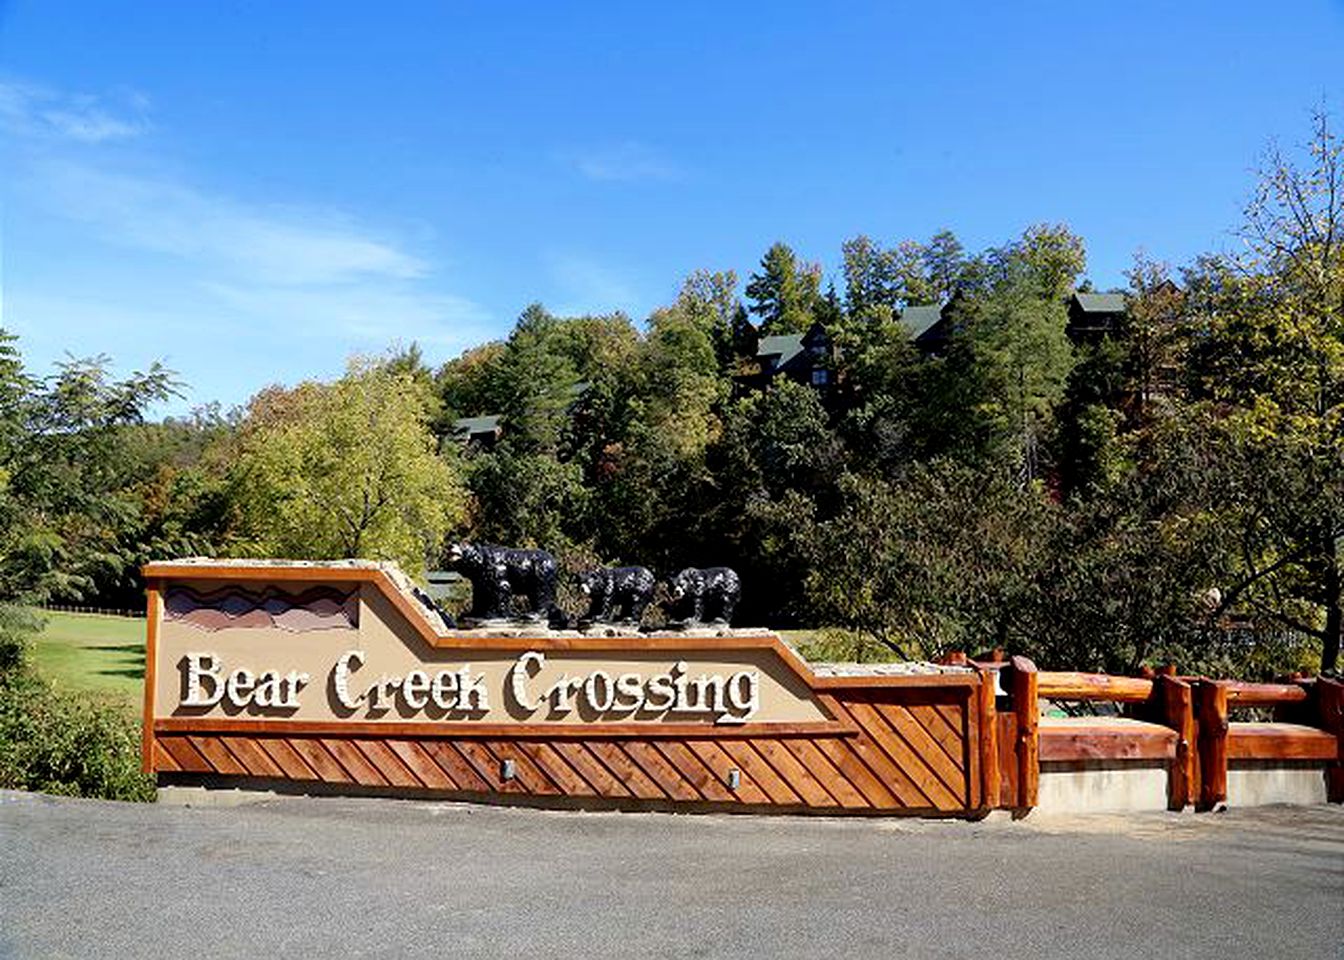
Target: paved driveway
[[359, 877]]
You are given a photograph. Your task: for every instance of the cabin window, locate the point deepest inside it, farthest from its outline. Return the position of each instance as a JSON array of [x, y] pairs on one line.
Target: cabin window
[[820, 378]]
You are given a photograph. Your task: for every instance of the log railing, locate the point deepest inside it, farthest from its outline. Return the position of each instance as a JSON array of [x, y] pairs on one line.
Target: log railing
[[1184, 720]]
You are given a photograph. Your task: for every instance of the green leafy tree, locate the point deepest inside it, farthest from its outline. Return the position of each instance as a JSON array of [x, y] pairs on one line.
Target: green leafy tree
[[785, 293], [526, 499], [944, 265], [772, 471], [472, 385], [1053, 258], [1014, 343], [943, 558], [346, 469], [66, 472], [1268, 356], [871, 278]]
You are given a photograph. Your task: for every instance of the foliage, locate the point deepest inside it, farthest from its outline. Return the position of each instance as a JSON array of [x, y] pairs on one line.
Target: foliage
[[524, 499], [786, 294], [944, 558], [66, 473], [61, 743], [1268, 360], [64, 744], [1169, 489], [347, 469]]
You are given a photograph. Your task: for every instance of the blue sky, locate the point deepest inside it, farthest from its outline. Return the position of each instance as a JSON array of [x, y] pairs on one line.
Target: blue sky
[[254, 191]]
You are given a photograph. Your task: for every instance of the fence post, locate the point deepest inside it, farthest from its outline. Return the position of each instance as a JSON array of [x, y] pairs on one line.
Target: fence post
[[1211, 707], [1330, 706], [989, 739], [1176, 702], [1027, 708]]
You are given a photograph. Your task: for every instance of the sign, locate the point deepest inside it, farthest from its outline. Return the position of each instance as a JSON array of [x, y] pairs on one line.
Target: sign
[[466, 692], [343, 674], [316, 652]]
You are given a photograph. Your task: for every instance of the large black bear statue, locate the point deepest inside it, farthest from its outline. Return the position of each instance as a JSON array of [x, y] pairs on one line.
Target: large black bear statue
[[705, 596], [499, 575], [617, 594]]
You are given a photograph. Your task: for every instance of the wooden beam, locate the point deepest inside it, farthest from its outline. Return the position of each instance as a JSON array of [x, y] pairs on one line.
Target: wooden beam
[[1123, 740], [1240, 694], [989, 741], [436, 729], [1062, 685], [153, 614], [1177, 706], [1279, 741], [1211, 712], [1025, 687]]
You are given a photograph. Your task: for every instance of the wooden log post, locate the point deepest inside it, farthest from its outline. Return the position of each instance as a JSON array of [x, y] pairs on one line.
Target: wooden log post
[[153, 616], [1211, 710], [1027, 708], [1176, 710], [989, 739], [1330, 708]]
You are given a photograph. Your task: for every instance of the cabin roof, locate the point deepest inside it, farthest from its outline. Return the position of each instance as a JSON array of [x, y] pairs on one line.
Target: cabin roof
[[918, 320], [474, 425], [1100, 302], [785, 346]]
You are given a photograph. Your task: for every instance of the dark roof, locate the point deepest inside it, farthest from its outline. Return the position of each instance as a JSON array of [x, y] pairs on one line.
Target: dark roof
[[919, 319], [785, 346], [816, 336], [470, 426], [1100, 302]]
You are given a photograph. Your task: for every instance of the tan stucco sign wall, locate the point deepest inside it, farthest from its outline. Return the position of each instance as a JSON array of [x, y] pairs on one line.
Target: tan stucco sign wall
[[338, 673], [309, 652]]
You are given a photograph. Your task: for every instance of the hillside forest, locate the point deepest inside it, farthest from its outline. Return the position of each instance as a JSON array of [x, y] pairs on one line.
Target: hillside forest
[[989, 471]]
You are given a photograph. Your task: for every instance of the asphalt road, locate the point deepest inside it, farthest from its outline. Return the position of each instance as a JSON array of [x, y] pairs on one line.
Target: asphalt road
[[360, 877]]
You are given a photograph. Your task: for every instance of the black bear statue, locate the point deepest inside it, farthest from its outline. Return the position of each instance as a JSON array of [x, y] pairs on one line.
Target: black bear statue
[[617, 594], [501, 575], [703, 596]]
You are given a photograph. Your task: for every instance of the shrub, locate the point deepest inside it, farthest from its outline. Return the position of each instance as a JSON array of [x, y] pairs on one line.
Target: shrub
[[61, 743], [16, 626]]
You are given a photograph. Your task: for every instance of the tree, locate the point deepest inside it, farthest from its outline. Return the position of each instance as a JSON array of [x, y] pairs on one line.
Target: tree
[[870, 276], [1053, 256], [771, 471], [526, 499], [346, 469], [537, 380], [1267, 357], [472, 384], [1021, 359], [944, 262], [943, 558], [66, 473], [786, 292], [709, 298]]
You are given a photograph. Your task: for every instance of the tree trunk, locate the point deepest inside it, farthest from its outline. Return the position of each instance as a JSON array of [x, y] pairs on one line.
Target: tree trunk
[[1334, 614], [1333, 623]]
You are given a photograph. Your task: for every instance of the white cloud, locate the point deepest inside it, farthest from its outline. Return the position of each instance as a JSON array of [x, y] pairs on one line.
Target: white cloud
[[287, 247], [626, 161], [375, 316], [223, 281], [589, 286], [35, 112]]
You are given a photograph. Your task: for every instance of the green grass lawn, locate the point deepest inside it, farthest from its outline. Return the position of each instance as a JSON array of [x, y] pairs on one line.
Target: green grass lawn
[[90, 653]]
